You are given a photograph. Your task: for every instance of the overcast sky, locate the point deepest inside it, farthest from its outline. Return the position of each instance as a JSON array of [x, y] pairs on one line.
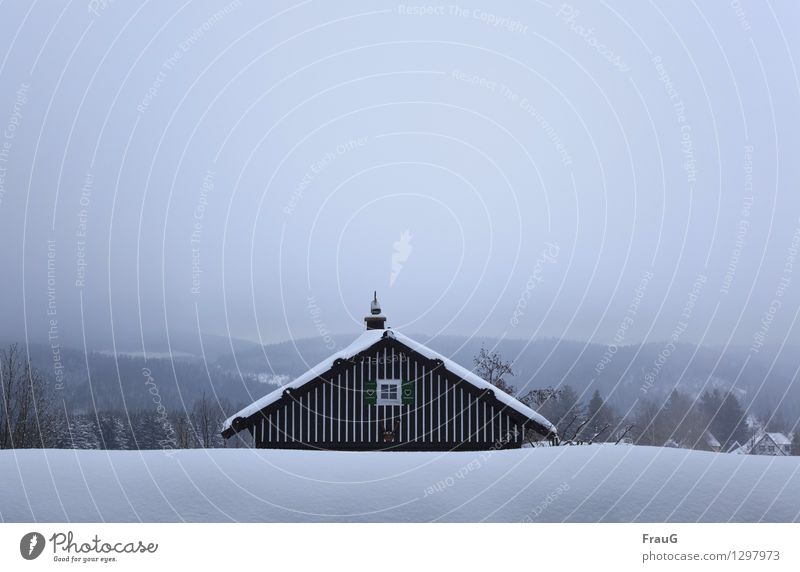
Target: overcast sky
[[598, 171]]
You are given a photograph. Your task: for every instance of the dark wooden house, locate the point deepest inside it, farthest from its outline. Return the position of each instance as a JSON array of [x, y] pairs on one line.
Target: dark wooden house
[[388, 392]]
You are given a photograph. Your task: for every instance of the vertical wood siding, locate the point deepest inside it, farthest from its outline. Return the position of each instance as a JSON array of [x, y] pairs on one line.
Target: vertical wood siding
[[331, 412]]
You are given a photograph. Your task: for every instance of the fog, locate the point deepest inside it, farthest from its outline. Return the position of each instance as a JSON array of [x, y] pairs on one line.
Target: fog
[[615, 173]]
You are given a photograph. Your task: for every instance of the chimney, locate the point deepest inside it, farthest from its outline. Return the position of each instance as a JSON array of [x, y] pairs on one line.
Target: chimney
[[375, 321]]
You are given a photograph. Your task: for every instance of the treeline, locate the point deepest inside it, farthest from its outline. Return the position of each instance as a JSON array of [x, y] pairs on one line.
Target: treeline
[[130, 430], [713, 421], [31, 417], [27, 412], [102, 382], [139, 430]]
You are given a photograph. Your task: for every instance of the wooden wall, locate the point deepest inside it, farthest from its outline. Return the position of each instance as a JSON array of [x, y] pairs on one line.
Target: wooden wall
[[331, 412]]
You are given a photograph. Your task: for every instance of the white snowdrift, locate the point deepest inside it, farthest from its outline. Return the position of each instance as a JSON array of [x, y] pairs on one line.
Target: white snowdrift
[[586, 483]]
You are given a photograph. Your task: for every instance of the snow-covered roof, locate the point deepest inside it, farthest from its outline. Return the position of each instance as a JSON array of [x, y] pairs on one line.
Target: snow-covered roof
[[780, 438], [363, 342], [736, 448], [475, 380]]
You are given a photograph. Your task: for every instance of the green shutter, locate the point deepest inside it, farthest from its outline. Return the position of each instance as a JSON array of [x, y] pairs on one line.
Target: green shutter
[[370, 392], [408, 393]]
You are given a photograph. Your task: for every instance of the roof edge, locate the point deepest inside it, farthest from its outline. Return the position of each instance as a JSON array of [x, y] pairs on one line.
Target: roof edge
[[364, 342]]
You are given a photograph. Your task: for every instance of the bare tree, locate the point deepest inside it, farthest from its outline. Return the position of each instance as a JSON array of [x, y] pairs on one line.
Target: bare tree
[[535, 398], [201, 421], [593, 437], [27, 413], [492, 368], [183, 431], [207, 418], [572, 438], [624, 434]]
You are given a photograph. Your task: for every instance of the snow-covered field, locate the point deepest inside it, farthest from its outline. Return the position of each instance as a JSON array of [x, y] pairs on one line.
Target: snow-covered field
[[586, 483]]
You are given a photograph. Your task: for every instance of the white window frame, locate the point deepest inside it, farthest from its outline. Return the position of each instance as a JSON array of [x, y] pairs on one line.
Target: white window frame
[[398, 386]]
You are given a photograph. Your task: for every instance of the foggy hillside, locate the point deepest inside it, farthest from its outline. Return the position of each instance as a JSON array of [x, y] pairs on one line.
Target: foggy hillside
[[763, 382]]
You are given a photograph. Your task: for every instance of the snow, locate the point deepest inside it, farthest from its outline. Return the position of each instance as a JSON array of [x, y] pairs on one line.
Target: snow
[[615, 483], [364, 341], [782, 441], [780, 438], [472, 378], [737, 449]]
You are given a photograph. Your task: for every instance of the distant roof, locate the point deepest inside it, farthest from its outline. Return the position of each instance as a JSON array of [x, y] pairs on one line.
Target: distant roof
[[780, 438], [369, 338], [737, 448]]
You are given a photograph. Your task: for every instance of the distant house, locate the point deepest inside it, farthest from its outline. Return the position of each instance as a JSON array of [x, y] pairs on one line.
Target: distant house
[[388, 392], [736, 448], [764, 443], [772, 444]]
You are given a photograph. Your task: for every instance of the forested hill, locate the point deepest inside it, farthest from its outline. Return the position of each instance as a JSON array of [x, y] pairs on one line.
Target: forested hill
[[761, 381], [622, 374]]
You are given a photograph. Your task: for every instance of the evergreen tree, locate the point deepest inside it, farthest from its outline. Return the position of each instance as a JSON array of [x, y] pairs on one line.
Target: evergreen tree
[[735, 419], [595, 404], [153, 430], [565, 412], [600, 419], [727, 417], [686, 423], [79, 432], [113, 431]]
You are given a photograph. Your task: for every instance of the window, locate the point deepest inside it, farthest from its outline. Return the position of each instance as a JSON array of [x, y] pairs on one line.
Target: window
[[389, 392]]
